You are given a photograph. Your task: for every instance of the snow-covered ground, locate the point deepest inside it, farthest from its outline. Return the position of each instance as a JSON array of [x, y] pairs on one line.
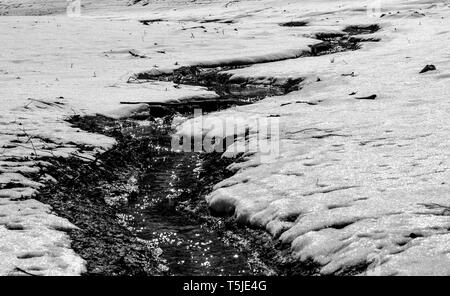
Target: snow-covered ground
[[357, 181]]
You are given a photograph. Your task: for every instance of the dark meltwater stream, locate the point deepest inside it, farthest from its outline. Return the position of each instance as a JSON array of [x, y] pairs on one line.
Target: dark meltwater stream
[[159, 195], [165, 181], [140, 207]]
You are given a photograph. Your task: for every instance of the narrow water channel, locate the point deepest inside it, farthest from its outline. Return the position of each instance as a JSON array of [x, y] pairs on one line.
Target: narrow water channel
[[168, 178], [137, 207], [171, 177]]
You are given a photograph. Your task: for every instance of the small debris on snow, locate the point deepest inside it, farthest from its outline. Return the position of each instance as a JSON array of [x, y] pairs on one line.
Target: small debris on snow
[[372, 97], [135, 53], [428, 68]]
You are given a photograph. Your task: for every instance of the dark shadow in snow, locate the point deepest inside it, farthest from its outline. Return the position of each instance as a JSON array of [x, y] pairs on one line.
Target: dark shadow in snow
[[362, 29], [335, 42], [151, 21], [220, 21], [294, 24]]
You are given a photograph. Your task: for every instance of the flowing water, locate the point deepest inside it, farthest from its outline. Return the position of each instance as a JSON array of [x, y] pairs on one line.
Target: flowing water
[[191, 248], [167, 179], [152, 189]]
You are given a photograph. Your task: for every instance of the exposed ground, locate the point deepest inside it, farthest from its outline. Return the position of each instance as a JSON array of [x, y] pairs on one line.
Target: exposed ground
[[360, 185]]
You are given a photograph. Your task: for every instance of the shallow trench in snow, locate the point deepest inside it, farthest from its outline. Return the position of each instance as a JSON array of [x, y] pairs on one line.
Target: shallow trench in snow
[[140, 206]]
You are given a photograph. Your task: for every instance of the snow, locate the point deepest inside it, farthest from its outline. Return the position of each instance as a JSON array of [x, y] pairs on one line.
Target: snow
[[34, 240], [359, 192], [354, 179]]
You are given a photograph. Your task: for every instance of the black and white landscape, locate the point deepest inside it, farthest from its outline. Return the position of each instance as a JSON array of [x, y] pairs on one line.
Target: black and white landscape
[[248, 137]]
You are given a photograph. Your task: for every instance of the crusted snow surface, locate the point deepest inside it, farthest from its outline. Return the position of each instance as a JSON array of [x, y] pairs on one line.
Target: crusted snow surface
[[357, 182], [54, 67], [33, 240], [359, 185]]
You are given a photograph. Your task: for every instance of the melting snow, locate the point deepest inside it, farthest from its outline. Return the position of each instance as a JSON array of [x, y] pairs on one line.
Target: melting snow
[[357, 182]]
